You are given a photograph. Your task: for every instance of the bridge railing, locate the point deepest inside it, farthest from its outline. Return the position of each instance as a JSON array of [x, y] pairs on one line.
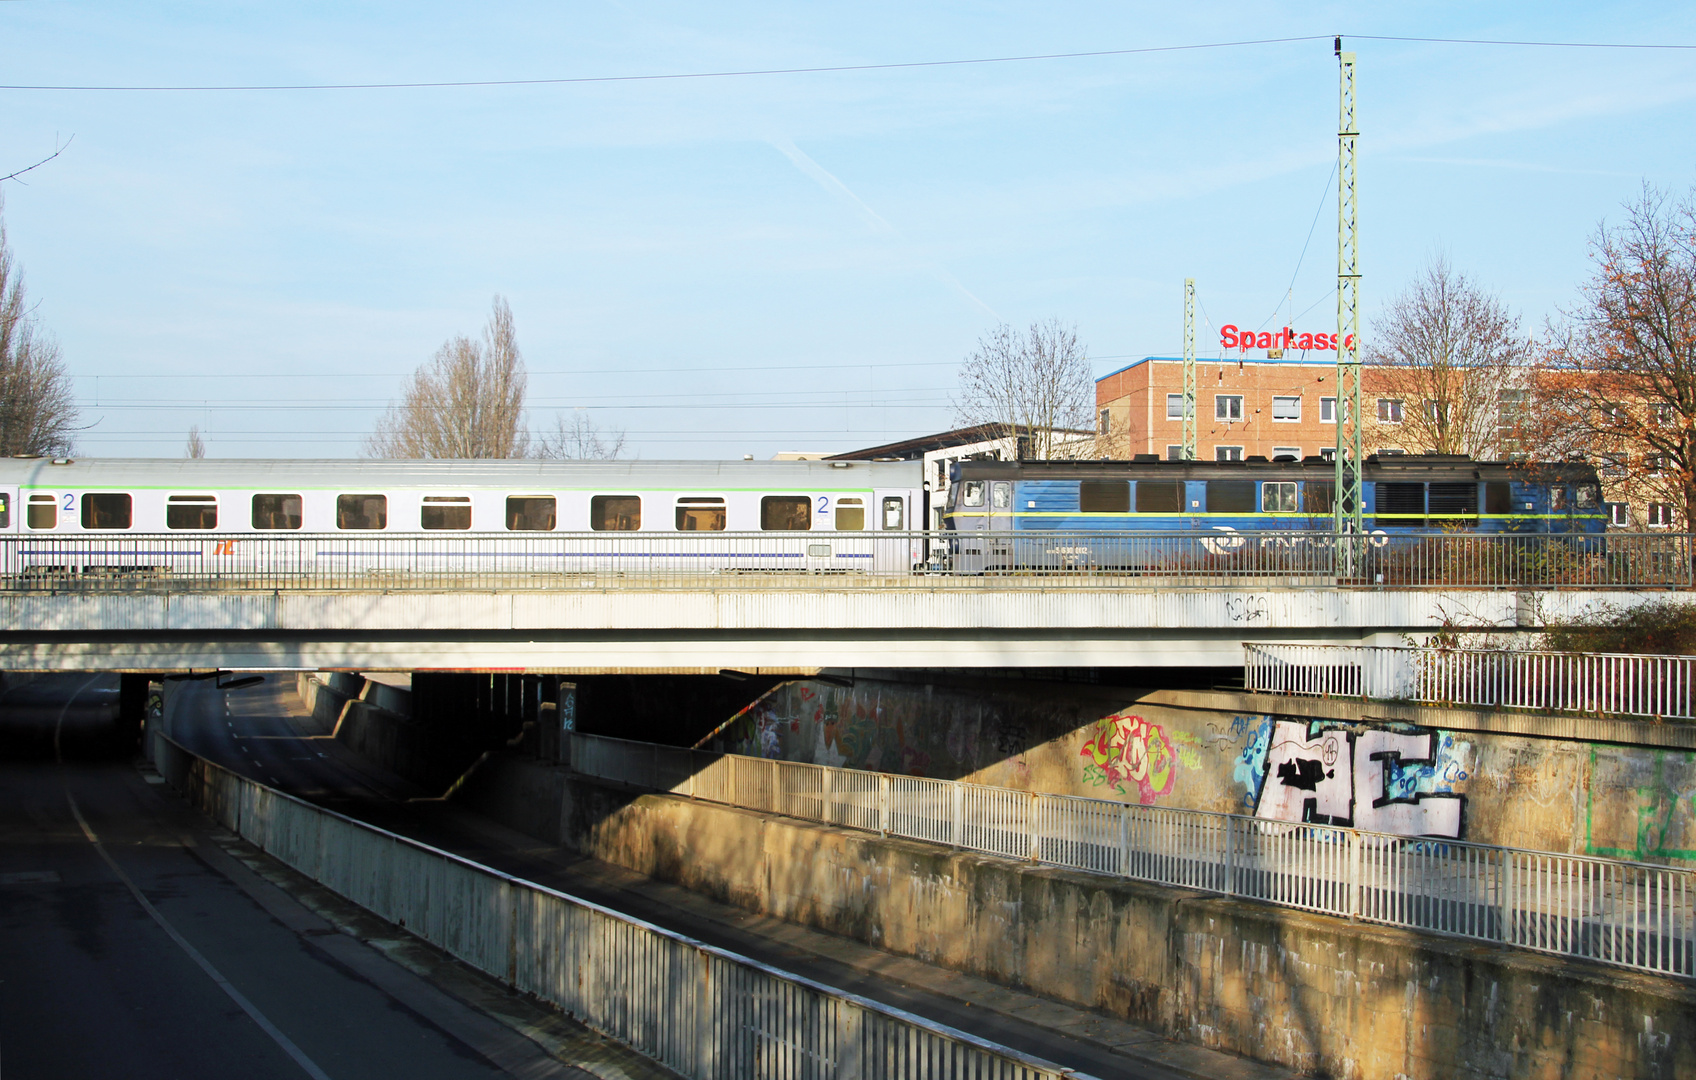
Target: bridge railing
[[1618, 684], [702, 1011], [92, 562], [1631, 914]]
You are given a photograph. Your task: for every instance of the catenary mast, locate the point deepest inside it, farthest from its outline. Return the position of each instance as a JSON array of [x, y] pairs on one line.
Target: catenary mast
[[1189, 370], [1349, 509]]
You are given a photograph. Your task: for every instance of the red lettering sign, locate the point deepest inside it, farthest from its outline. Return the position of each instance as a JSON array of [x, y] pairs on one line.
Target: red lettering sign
[[1284, 338]]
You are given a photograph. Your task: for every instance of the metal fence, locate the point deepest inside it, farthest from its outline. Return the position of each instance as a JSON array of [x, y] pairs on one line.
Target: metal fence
[[181, 562], [1631, 914], [1619, 684], [701, 1011]]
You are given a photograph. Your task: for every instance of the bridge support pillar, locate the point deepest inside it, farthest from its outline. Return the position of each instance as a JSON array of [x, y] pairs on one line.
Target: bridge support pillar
[[132, 708]]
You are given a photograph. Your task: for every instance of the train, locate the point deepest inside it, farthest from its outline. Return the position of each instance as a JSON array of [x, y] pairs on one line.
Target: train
[[817, 516]]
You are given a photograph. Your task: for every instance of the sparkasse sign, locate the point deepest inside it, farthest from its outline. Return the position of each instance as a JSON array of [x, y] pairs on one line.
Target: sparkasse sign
[[1232, 338]]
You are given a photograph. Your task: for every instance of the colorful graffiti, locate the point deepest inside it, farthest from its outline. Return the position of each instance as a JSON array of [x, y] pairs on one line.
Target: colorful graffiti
[[1126, 750], [1657, 792], [1394, 781]]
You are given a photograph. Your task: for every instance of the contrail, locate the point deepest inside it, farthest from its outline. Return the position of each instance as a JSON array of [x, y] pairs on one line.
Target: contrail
[[825, 179]]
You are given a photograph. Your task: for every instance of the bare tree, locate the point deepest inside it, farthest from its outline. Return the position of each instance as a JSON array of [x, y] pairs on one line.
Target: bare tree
[[1616, 380], [1448, 351], [1034, 386], [37, 410], [196, 448], [578, 439], [467, 402]]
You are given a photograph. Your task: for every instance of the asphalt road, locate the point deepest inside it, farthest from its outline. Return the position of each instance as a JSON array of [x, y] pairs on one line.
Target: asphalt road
[[133, 944]]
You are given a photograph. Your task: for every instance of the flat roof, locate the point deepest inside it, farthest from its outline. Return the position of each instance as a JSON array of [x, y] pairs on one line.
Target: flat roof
[[1320, 359]]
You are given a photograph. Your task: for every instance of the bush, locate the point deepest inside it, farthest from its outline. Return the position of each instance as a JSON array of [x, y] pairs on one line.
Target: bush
[[1667, 628]]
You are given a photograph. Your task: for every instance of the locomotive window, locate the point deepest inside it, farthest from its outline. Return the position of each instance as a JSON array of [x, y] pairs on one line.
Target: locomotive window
[[1588, 497], [530, 513], [191, 512], [701, 515], [1498, 497], [971, 493], [106, 510], [850, 514], [1278, 498], [43, 512], [1160, 496], [1104, 496], [615, 513], [894, 511], [1454, 503], [1001, 495], [445, 512], [1400, 505], [1230, 496], [5, 510], [788, 513], [1319, 497], [362, 511], [276, 511], [1557, 499]]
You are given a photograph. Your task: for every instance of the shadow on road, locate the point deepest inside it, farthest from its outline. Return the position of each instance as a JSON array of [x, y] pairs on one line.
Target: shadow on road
[[83, 709]]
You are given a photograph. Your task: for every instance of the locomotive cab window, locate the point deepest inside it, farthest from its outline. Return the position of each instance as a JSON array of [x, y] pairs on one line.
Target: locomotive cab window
[[1001, 495], [850, 514], [894, 513], [1160, 496], [971, 493], [1587, 497], [788, 513], [1319, 497], [444, 512], [700, 514], [1278, 497], [530, 513], [106, 509], [1498, 498], [276, 512], [43, 512], [191, 512], [1230, 496], [1557, 499], [362, 511], [1104, 496], [615, 513]]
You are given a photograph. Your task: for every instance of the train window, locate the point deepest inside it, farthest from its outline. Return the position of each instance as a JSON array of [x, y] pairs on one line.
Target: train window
[[1319, 497], [445, 512], [1278, 498], [1557, 499], [106, 510], [894, 512], [5, 510], [276, 512], [1498, 497], [850, 514], [1587, 497], [43, 512], [530, 513], [362, 511], [1160, 496], [788, 513], [1454, 503], [1230, 496], [191, 512], [615, 513], [701, 515], [1400, 505], [1104, 496], [971, 493], [1001, 495]]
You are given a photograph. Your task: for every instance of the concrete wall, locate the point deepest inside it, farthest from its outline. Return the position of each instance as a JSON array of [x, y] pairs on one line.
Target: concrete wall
[[1311, 760], [1311, 992]]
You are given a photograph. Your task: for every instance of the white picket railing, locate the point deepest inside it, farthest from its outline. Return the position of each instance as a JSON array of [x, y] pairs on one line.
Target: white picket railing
[[702, 1011], [1620, 684], [1632, 914]]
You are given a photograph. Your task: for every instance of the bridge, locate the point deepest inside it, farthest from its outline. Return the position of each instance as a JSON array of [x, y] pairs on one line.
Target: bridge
[[575, 602]]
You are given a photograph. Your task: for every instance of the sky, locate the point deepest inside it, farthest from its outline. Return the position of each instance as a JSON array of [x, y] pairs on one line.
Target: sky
[[747, 264]]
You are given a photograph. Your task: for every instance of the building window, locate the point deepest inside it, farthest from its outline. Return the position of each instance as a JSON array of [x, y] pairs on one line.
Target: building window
[[1660, 515], [1228, 453], [1613, 414], [1389, 451], [1328, 453], [1174, 452], [1327, 410], [1660, 412], [1228, 407], [1286, 408], [1278, 498], [1174, 406], [1435, 412], [1619, 514], [1389, 410], [1286, 453], [1656, 464], [1611, 464], [1104, 423]]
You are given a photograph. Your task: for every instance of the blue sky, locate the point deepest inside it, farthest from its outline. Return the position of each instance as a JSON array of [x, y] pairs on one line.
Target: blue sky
[[746, 265]]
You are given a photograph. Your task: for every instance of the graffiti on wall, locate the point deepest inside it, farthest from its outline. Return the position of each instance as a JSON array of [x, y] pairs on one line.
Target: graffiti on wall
[[1657, 792], [1132, 756], [1395, 781]]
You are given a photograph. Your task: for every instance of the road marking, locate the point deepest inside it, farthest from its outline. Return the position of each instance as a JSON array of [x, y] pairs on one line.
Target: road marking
[[283, 1041]]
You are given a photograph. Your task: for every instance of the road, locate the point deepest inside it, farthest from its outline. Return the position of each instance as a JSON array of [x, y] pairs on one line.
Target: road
[[138, 941], [265, 733]]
